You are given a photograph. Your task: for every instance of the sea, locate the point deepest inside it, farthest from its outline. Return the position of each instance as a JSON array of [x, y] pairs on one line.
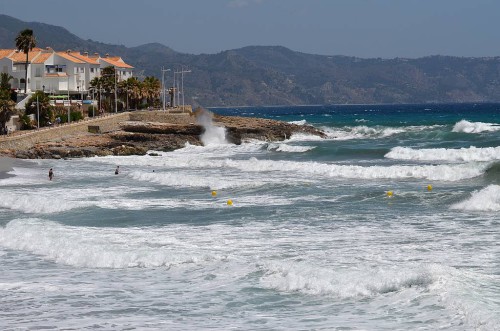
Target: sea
[[391, 222]]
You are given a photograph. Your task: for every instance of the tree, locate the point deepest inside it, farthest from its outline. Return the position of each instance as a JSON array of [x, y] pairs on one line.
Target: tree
[[44, 109], [130, 90], [5, 81], [26, 41], [152, 89], [7, 108]]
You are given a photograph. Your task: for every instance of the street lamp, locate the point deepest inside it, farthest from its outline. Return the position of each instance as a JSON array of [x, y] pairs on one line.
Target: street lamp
[[182, 84], [116, 100], [163, 85], [37, 113]]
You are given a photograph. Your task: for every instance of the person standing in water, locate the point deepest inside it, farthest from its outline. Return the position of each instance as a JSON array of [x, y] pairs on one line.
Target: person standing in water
[[117, 171], [51, 174]]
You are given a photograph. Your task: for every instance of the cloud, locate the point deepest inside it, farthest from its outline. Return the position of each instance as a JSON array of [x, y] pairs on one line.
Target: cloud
[[242, 3]]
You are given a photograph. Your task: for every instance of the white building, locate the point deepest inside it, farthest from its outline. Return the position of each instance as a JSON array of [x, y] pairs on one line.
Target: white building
[[59, 73]]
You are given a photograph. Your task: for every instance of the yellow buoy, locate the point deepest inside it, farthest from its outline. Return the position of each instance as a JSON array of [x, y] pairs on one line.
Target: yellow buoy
[[389, 193], [229, 202], [214, 193], [429, 187]]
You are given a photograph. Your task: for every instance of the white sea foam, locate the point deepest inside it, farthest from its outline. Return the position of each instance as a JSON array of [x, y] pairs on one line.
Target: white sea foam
[[366, 132], [301, 122], [198, 180], [475, 127], [487, 199], [213, 135], [102, 247], [304, 137], [281, 147], [48, 200], [342, 283], [445, 154], [25, 177], [442, 172]]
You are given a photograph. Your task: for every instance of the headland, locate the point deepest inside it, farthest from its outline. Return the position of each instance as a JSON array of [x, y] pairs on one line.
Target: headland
[[136, 133]]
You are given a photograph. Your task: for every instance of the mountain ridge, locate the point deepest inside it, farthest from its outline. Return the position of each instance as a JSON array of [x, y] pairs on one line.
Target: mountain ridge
[[276, 75]]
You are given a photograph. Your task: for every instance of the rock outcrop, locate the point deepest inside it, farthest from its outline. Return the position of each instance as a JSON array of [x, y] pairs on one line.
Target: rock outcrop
[[137, 137]]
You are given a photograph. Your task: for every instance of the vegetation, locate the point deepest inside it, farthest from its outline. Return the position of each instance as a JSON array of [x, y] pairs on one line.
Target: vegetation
[[39, 105], [7, 105], [131, 92], [25, 42]]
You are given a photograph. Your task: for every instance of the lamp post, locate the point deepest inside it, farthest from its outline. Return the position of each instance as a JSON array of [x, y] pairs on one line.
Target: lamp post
[[163, 85], [182, 84], [69, 104], [116, 100], [37, 113]]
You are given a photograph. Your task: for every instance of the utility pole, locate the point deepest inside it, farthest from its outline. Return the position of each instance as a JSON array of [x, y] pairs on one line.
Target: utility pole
[[37, 113], [116, 100], [163, 85], [182, 72]]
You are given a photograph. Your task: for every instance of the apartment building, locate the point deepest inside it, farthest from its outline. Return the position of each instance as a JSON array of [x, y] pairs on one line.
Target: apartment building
[[59, 72]]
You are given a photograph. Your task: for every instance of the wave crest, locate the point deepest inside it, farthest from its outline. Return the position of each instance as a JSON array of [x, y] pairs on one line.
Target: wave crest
[[445, 154], [487, 199], [475, 127]]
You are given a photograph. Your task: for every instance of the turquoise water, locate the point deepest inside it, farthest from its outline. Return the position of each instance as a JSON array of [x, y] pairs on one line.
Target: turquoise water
[[312, 240]]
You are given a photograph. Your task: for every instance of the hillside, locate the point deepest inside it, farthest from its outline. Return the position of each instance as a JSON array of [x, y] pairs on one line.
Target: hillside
[[274, 75]]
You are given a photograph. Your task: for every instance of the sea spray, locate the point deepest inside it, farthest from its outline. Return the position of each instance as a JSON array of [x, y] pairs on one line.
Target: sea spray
[[212, 135]]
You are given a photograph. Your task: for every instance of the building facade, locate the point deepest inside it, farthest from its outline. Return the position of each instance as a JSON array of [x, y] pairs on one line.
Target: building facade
[[59, 73]]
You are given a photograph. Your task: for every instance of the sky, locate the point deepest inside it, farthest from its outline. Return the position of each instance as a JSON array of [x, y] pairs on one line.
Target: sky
[[360, 28]]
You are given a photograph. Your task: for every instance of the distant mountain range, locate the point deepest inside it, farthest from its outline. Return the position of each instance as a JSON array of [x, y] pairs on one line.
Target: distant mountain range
[[275, 75]]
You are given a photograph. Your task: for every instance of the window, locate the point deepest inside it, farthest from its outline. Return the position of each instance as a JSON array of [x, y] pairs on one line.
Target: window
[[92, 70]]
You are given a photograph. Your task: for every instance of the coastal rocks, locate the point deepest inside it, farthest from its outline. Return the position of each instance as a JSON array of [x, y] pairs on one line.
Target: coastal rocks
[[139, 137], [244, 128]]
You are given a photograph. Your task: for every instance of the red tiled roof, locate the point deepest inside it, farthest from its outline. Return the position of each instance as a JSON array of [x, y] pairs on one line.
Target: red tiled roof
[[41, 58], [6, 52], [21, 57], [116, 62], [85, 58], [69, 57]]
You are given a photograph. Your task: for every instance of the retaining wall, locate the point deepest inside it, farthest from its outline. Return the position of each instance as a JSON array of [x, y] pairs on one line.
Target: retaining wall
[[105, 123]]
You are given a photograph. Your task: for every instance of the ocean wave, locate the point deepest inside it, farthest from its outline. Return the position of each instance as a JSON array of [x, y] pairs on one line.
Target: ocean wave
[[101, 247], [304, 137], [366, 132], [444, 172], [288, 148], [445, 154], [198, 180], [301, 122], [49, 201], [475, 127], [366, 282], [487, 199]]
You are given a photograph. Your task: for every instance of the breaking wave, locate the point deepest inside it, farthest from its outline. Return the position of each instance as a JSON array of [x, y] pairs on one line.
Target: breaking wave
[[475, 127], [445, 154], [487, 199]]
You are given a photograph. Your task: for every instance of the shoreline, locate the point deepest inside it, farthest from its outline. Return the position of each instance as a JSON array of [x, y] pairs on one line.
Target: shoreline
[[7, 164], [137, 136]]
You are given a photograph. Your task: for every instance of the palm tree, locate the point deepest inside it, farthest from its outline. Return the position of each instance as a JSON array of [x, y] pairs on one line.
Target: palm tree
[[152, 89], [25, 41], [131, 89]]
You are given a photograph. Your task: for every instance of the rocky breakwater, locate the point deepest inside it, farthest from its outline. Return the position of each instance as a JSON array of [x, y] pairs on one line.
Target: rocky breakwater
[[138, 137]]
